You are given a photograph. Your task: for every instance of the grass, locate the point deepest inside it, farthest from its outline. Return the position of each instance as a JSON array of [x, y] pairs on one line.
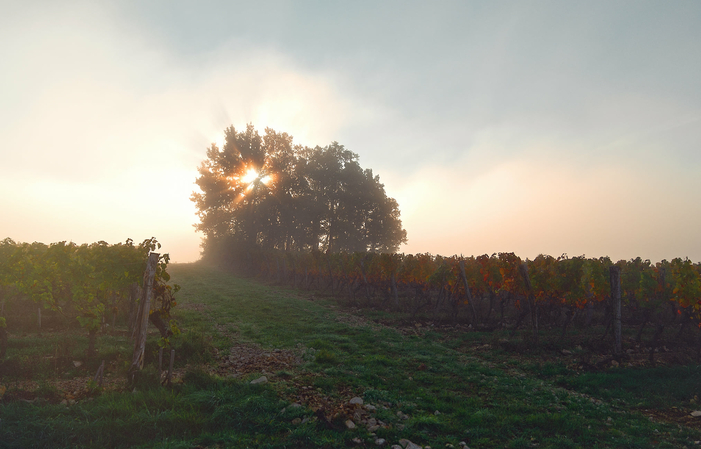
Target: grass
[[428, 388]]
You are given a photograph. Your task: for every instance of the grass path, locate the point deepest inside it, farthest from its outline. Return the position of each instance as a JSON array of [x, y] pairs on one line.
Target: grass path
[[448, 396]]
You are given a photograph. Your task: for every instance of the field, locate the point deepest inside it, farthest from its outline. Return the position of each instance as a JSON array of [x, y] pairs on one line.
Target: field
[[432, 384]]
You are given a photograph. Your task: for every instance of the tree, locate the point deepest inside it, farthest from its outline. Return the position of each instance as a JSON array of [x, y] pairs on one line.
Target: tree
[[264, 192]]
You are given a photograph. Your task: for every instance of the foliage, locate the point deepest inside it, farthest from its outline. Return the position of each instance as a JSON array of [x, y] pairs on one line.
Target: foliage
[[263, 192], [556, 286], [83, 282]]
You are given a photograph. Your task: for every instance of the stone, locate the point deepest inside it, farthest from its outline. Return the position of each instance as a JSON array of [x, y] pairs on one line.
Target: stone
[[696, 414], [64, 402], [614, 363], [370, 408], [436, 413], [406, 444], [380, 441], [77, 363], [261, 380], [357, 441], [350, 425], [356, 401], [373, 428], [566, 352], [372, 422], [396, 446]]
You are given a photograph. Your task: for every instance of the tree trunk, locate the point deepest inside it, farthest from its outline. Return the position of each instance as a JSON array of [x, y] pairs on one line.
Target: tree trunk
[[162, 326]]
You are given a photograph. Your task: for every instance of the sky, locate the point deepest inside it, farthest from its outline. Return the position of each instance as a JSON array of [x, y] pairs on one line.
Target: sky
[[499, 126]]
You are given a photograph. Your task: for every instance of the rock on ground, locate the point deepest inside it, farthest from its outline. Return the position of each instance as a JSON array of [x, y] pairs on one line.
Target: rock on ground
[[260, 380]]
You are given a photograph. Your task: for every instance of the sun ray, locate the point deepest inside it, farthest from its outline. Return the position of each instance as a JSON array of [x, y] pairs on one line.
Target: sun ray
[[250, 176]]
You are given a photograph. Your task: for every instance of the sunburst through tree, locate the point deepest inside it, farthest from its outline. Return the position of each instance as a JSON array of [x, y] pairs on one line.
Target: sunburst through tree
[[263, 191]]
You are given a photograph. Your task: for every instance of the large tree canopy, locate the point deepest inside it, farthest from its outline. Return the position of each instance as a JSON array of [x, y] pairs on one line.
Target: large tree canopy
[[264, 191]]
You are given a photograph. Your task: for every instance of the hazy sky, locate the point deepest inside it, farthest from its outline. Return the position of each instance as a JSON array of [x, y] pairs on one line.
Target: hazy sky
[[523, 126]]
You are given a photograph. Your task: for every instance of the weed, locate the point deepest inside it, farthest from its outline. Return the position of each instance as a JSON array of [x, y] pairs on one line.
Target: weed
[[147, 379], [320, 344], [325, 357], [194, 347], [198, 379], [48, 391]]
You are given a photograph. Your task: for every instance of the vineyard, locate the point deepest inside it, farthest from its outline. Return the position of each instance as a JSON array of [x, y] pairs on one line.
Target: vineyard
[[87, 285], [261, 363], [502, 291]]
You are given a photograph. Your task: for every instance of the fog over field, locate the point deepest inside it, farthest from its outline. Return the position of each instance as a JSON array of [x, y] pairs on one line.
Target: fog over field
[[538, 127]]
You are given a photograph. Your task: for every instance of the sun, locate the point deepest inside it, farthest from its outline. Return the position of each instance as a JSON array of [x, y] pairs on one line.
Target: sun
[[250, 176]]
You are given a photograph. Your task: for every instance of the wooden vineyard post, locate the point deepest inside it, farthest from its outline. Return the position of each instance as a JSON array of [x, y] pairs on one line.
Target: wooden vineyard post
[[99, 374], [395, 291], [615, 278], [468, 293], [39, 319], [142, 316]]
